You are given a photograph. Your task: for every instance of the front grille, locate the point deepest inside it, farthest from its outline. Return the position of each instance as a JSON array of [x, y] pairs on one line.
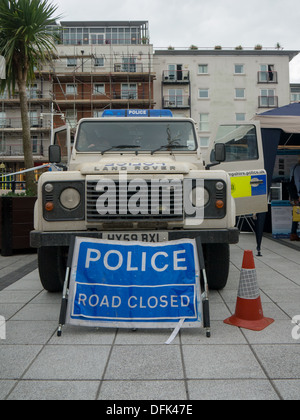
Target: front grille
[[150, 199]]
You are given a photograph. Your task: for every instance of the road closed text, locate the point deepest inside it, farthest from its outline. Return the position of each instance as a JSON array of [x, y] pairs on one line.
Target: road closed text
[[104, 302], [141, 302]]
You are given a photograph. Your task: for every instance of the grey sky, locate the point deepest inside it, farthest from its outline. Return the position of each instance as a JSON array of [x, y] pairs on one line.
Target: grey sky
[[181, 23]]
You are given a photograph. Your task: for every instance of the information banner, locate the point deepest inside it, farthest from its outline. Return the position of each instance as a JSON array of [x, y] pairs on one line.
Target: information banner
[[134, 284]]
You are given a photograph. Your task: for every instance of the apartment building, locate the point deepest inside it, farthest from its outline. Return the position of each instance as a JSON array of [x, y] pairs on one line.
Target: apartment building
[[214, 86], [111, 65]]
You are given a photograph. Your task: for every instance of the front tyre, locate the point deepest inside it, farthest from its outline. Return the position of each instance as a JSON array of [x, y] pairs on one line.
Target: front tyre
[[52, 263], [217, 260]]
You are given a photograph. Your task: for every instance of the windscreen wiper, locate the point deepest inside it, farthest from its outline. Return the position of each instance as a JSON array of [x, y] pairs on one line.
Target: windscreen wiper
[[121, 146], [166, 146]]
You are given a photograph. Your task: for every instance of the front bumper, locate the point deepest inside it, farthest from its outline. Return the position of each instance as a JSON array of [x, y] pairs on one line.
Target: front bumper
[[227, 236]]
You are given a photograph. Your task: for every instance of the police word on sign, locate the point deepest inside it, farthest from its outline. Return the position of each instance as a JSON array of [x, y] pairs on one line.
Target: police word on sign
[[134, 284]]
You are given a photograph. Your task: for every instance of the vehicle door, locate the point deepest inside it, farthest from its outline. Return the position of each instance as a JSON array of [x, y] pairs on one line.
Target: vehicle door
[[244, 162]]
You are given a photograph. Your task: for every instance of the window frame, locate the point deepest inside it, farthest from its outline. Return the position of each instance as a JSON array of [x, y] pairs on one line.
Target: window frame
[[242, 72], [203, 68], [241, 90], [204, 124], [203, 90]]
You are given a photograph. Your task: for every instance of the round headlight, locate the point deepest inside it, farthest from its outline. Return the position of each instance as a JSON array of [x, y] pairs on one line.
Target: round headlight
[[199, 197], [70, 198]]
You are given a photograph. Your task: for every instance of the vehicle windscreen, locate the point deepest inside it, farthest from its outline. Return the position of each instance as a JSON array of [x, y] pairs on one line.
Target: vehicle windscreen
[[103, 136]]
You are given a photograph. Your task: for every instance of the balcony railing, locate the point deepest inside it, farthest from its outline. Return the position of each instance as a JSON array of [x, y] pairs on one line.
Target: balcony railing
[[32, 95], [16, 149], [102, 40], [179, 76], [128, 68], [91, 64], [268, 101], [179, 102], [267, 77], [16, 123]]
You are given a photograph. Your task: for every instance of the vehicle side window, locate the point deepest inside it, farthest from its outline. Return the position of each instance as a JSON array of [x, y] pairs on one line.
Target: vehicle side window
[[240, 142], [61, 139]]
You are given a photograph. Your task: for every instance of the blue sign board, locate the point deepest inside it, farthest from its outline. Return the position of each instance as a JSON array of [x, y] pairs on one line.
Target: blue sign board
[[134, 284]]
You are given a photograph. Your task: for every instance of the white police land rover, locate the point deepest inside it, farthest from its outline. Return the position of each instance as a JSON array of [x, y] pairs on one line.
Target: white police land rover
[[139, 175]]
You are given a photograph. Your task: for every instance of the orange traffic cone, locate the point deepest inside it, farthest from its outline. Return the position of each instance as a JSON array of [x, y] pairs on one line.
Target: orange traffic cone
[[249, 312]]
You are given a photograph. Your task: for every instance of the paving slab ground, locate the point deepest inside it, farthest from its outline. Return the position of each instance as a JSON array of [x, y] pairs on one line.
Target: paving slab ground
[[111, 364]]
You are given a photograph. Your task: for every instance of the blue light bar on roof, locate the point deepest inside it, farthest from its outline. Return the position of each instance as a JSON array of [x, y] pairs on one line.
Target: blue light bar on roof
[[137, 113]]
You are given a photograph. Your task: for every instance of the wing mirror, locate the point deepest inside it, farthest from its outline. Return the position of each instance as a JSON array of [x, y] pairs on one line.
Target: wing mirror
[[54, 153], [219, 155]]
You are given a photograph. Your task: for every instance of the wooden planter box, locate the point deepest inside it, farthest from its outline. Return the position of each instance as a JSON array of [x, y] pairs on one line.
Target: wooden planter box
[[16, 222]]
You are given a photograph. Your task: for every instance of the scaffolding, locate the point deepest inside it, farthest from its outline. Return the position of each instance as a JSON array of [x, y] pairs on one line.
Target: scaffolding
[[88, 83], [97, 66]]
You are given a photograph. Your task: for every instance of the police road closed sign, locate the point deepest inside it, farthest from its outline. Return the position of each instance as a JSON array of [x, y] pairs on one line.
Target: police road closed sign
[[134, 284]]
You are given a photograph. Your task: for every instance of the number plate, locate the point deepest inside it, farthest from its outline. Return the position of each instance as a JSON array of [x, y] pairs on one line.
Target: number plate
[[136, 236]]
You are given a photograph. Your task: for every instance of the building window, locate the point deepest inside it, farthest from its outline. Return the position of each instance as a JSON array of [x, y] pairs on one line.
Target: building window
[[176, 73], [33, 118], [204, 141], [4, 95], [268, 99], [71, 117], [204, 122], [239, 69], [71, 89], [239, 93], [175, 98], [3, 122], [202, 68], [97, 113], [34, 141], [97, 39], [71, 62], [99, 89], [129, 64], [129, 91], [99, 62], [32, 91], [267, 74], [101, 35], [203, 94], [240, 116], [295, 97]]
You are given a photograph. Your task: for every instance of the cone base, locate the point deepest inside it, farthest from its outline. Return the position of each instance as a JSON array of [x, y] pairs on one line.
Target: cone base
[[249, 315], [258, 325]]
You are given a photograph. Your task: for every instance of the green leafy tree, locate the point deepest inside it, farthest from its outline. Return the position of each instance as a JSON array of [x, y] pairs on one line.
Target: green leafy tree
[[25, 42]]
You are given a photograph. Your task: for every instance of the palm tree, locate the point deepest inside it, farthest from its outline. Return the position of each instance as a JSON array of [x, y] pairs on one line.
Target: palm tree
[[25, 42]]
